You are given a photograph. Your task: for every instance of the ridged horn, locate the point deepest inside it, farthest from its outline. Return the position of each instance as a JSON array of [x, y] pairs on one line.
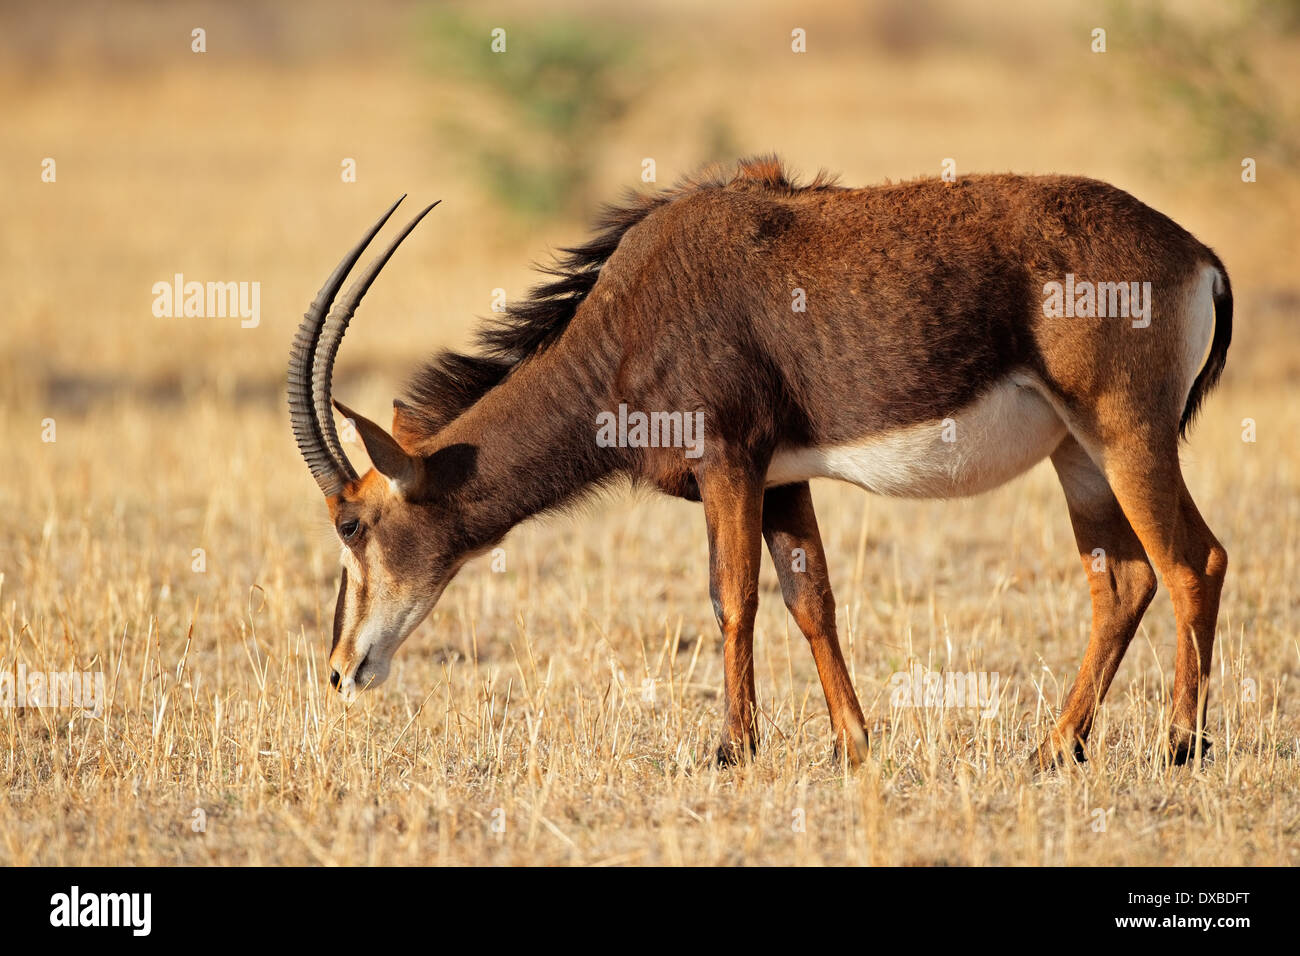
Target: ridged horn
[[331, 337], [310, 365]]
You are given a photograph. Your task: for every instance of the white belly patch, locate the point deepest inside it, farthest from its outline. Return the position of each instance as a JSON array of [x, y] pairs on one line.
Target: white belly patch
[[1002, 434]]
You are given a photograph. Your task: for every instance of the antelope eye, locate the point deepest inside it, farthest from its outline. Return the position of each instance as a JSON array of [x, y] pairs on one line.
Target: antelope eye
[[349, 528]]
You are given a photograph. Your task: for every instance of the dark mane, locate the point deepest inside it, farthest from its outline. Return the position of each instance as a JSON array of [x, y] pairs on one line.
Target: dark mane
[[453, 381]]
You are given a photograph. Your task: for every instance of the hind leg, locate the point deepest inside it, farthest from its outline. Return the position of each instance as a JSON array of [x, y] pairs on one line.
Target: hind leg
[[1121, 583], [1201, 573], [790, 528], [1148, 483]]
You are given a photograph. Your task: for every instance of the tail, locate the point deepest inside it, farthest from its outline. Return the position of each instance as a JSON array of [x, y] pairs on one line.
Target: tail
[[1208, 377]]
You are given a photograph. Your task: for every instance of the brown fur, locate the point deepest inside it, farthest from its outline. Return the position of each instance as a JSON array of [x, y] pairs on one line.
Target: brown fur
[[920, 296]]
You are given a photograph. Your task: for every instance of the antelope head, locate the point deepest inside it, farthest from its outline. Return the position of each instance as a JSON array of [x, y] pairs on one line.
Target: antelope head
[[396, 536]]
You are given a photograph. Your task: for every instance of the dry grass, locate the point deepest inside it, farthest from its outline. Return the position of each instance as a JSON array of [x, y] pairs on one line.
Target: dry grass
[[523, 700]]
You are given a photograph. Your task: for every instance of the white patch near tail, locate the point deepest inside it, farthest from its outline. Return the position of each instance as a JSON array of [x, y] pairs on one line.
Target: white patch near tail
[[1198, 323], [1005, 432]]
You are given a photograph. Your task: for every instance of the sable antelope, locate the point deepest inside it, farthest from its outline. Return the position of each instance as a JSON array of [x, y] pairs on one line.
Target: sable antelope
[[924, 363]]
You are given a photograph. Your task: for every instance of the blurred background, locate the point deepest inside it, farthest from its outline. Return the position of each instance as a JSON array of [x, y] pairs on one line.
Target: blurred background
[[226, 165]]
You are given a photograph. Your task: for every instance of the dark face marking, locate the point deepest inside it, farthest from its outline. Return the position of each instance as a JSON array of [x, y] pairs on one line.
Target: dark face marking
[[339, 607]]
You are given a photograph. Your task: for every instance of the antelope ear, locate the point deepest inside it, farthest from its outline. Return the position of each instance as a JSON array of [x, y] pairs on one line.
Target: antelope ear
[[404, 426], [404, 470]]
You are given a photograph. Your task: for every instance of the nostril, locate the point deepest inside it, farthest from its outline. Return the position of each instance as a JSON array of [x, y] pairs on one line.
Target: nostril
[[334, 679]]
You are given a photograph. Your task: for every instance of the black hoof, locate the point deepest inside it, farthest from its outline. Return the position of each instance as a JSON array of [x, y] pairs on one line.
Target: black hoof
[[733, 754], [1048, 759], [857, 750], [1182, 748]]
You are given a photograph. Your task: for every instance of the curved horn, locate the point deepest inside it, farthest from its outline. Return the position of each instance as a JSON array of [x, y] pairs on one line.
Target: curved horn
[[325, 468], [331, 337]]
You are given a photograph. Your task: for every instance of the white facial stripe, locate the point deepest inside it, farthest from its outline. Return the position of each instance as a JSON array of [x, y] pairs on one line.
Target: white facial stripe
[[387, 625], [349, 561], [375, 628]]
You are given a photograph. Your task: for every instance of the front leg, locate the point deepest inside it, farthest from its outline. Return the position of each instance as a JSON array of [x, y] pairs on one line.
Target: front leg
[[732, 494]]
